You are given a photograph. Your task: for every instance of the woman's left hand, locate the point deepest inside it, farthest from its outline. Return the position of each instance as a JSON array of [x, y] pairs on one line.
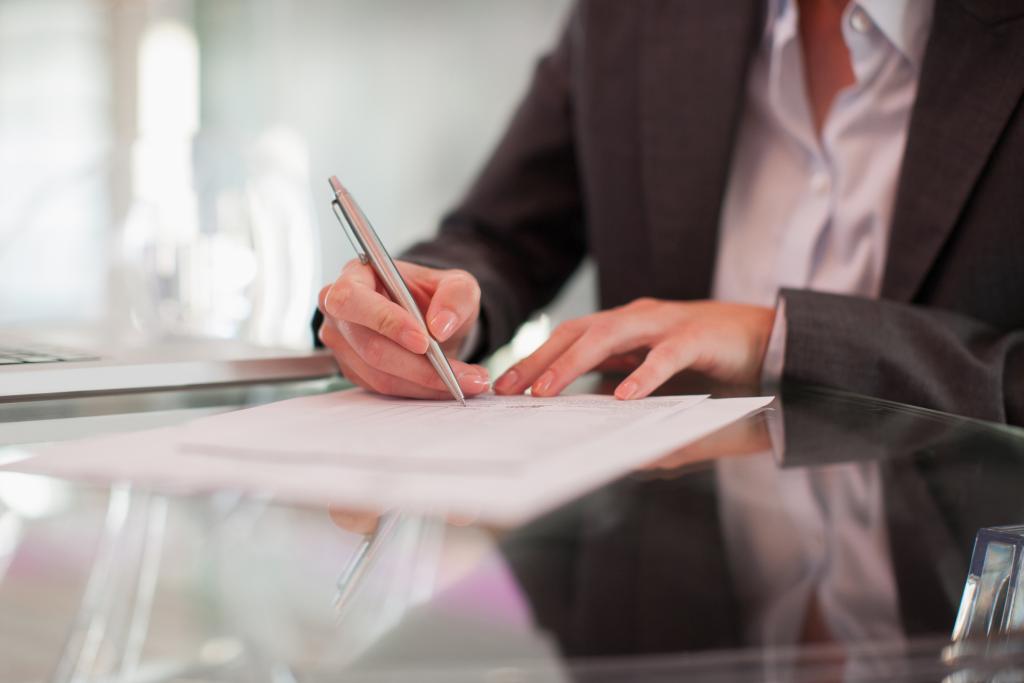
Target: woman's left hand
[[725, 341]]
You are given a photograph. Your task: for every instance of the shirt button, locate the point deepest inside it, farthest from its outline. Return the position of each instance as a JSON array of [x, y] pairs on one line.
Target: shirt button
[[819, 182], [859, 21]]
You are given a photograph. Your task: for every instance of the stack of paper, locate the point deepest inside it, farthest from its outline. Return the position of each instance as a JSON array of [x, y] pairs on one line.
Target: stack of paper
[[499, 459]]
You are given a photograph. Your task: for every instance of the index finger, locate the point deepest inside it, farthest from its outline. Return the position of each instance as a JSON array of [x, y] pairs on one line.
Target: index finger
[[354, 298], [355, 273]]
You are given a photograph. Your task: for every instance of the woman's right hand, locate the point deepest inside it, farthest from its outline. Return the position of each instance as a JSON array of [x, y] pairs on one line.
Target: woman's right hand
[[379, 346]]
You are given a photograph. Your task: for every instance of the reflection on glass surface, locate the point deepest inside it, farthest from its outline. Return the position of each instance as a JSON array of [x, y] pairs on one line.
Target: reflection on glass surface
[[858, 534], [32, 497], [838, 554], [10, 536]]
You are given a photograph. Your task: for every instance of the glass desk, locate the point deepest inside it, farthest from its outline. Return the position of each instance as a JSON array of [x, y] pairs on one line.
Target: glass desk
[[826, 538]]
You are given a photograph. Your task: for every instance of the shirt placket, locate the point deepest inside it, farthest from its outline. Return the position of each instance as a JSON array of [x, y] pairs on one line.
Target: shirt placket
[[790, 102], [866, 60]]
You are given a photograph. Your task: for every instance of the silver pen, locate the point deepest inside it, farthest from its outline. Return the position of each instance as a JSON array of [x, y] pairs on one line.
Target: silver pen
[[362, 561], [371, 250]]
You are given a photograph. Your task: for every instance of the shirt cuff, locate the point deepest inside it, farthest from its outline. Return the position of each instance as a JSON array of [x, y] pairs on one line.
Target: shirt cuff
[[775, 355]]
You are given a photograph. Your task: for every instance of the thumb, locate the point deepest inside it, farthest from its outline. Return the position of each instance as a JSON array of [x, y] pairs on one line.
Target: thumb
[[454, 306]]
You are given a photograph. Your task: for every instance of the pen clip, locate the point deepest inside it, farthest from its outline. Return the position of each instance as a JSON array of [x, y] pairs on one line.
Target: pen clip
[[350, 233]]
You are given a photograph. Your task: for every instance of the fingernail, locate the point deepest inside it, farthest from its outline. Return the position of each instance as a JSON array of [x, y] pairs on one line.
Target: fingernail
[[507, 382], [330, 310], [544, 383], [327, 299], [414, 340], [626, 390], [473, 380], [443, 325]]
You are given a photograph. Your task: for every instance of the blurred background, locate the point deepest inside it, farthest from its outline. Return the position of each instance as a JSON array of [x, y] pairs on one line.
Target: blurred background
[[163, 163]]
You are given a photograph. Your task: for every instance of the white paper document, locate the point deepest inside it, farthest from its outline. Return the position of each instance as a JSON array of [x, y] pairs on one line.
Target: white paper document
[[490, 435], [501, 459]]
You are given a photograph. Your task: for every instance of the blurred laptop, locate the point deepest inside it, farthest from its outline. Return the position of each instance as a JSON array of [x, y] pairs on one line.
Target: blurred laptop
[[37, 362]]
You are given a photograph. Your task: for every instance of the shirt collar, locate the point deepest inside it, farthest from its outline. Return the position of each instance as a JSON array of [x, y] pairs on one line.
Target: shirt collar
[[905, 23]]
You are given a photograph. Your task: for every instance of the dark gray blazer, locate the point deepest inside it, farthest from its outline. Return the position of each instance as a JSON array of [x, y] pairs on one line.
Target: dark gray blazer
[[621, 149]]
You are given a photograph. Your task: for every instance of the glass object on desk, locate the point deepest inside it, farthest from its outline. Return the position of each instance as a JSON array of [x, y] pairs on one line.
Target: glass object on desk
[[992, 603], [226, 246], [220, 236]]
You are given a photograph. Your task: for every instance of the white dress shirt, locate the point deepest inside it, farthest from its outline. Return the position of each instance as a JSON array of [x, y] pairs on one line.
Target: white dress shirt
[[809, 212], [813, 212]]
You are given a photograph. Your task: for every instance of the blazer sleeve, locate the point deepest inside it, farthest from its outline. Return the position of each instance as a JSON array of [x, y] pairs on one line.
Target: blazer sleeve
[[519, 230], [907, 353]]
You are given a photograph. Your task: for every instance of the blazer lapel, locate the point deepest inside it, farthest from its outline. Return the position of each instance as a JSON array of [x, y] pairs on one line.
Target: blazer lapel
[[694, 65], [971, 82]]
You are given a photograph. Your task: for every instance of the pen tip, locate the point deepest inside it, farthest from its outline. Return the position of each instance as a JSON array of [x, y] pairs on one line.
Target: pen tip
[[462, 401]]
